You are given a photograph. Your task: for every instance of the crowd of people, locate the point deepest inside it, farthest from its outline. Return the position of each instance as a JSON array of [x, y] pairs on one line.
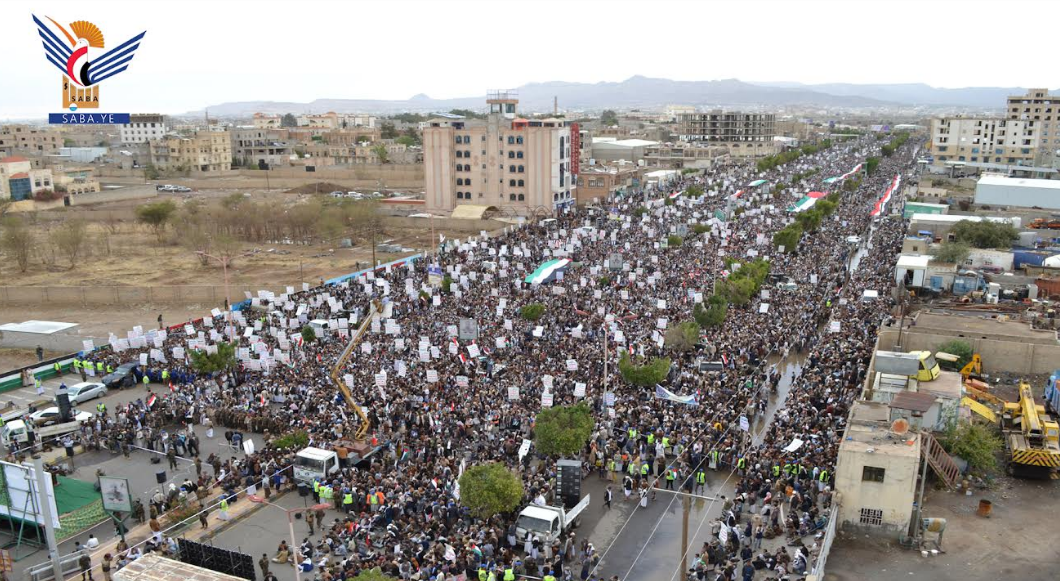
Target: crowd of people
[[402, 513]]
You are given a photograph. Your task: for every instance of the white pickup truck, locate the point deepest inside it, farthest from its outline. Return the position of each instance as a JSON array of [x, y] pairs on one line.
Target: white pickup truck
[[548, 522]]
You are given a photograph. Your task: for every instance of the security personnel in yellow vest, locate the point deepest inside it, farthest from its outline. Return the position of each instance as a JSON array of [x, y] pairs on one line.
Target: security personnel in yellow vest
[[823, 479], [651, 438], [316, 489], [76, 364], [110, 368], [671, 475], [549, 577], [632, 432], [99, 367], [509, 574], [701, 480], [776, 471], [482, 573], [347, 501], [147, 380], [741, 463], [666, 441], [58, 368], [632, 468], [644, 469], [715, 458], [101, 408], [165, 376]]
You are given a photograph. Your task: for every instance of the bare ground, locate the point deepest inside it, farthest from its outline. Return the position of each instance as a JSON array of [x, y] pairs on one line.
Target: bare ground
[[15, 358]]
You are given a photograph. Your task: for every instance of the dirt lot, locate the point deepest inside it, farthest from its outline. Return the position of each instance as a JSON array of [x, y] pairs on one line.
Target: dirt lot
[[1018, 541], [14, 358], [122, 252]]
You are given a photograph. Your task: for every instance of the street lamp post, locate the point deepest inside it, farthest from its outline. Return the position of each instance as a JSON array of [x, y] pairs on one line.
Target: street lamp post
[[290, 524], [228, 296]]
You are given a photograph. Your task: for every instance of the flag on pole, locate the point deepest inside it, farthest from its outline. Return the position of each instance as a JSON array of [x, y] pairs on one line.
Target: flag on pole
[[151, 399]]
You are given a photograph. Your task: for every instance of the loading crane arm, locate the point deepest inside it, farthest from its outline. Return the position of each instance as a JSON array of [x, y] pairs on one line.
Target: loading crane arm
[[340, 364]]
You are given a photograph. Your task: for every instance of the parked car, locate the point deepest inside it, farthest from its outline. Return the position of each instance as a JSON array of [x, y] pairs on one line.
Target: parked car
[[50, 415], [181, 189], [165, 187], [123, 376], [84, 391]]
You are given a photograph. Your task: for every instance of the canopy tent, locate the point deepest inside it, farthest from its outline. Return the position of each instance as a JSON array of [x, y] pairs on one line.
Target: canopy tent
[[1052, 262], [756, 183], [471, 211], [804, 203], [547, 271]]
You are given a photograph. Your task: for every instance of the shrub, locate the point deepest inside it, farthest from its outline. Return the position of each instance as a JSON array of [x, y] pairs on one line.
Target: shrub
[[674, 241], [647, 375], [308, 334], [694, 191], [712, 315], [683, 336], [532, 312], [297, 439], [961, 349], [47, 196], [977, 443], [700, 228], [563, 430], [639, 211]]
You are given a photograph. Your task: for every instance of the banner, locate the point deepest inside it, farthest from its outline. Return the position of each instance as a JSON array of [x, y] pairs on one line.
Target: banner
[[663, 393]]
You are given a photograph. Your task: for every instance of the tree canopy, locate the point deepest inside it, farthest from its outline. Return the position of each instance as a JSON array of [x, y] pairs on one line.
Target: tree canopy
[[950, 253], [288, 120], [489, 489], [682, 336], [985, 234], [609, 117], [646, 375], [563, 430], [157, 215], [222, 360]]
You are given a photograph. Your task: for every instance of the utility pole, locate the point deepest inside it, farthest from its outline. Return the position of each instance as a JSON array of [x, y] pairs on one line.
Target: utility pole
[[46, 515], [686, 504]]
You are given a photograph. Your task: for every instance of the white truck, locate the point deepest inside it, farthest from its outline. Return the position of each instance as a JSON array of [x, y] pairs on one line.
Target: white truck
[[15, 432], [314, 464], [549, 522]]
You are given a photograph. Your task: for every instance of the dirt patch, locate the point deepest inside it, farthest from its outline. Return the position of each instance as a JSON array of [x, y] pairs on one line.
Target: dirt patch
[[15, 358], [317, 188], [1015, 542]]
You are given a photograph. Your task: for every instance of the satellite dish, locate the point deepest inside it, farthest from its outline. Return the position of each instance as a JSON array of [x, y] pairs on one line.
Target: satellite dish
[[900, 426]]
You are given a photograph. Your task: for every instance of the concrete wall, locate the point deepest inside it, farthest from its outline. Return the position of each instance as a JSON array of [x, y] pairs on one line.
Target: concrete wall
[[125, 295], [393, 175], [1013, 356], [116, 195]]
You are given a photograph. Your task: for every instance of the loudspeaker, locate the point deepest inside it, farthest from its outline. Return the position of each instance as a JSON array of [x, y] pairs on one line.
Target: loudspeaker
[[160, 477], [569, 482], [65, 410]]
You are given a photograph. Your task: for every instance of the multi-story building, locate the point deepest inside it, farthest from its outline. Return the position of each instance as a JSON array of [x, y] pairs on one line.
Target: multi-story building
[[204, 151], [21, 180], [74, 180], [263, 121], [252, 146], [744, 134], [598, 183], [674, 112], [27, 139], [143, 128], [525, 165], [984, 140], [684, 155], [1042, 111]]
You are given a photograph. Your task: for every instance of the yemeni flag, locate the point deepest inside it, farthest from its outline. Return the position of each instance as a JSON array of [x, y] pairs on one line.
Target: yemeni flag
[[463, 358], [151, 399]]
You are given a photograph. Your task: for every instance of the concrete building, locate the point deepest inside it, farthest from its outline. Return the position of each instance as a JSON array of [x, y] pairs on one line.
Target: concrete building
[[143, 128], [983, 139], [263, 121], [938, 226], [609, 149], [254, 147], [204, 151], [876, 473], [598, 183], [1042, 111], [911, 208], [20, 180], [744, 134], [674, 112], [28, 139], [74, 179], [505, 161], [685, 155], [999, 190]]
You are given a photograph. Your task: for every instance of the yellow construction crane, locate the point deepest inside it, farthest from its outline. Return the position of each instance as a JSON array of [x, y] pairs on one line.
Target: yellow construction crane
[[336, 378], [1032, 439], [974, 368]]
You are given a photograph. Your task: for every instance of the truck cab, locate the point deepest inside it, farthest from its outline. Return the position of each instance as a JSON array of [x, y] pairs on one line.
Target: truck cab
[[928, 368], [548, 522], [14, 432], [315, 464]]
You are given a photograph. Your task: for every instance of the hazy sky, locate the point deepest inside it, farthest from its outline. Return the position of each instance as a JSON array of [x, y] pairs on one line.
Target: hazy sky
[[198, 53]]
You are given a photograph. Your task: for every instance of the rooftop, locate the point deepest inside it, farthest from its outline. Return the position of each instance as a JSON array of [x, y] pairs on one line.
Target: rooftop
[[974, 327], [877, 438], [153, 567], [909, 261], [13, 159], [991, 179]]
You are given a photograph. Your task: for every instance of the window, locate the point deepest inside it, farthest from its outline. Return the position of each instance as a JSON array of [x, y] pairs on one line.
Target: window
[[871, 516], [519, 140], [521, 197], [459, 181], [467, 167], [520, 183], [520, 169], [511, 169], [511, 183], [459, 153], [511, 197], [511, 140], [460, 195], [467, 154], [467, 139], [458, 140], [511, 154], [872, 474], [519, 155]]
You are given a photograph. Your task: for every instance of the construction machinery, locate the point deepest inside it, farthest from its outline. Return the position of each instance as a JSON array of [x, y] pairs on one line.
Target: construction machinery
[[920, 365], [1044, 224], [359, 445], [1032, 438], [974, 368]]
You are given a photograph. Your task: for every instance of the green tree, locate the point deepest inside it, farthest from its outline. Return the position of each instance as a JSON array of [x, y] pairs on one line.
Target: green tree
[[468, 113], [406, 140], [950, 253], [532, 312], [608, 118], [712, 315], [387, 130], [222, 360], [295, 440], [490, 489], [788, 237], [977, 443], [381, 153], [373, 575], [151, 172], [871, 164], [308, 334], [674, 241], [18, 241], [288, 120], [646, 375], [682, 336], [563, 430], [694, 191], [157, 215], [985, 234], [961, 349]]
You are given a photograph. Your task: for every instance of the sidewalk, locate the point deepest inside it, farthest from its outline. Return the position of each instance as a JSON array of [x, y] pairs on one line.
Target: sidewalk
[[193, 532]]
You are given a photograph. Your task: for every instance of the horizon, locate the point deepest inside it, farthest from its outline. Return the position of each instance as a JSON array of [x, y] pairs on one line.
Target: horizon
[[252, 58]]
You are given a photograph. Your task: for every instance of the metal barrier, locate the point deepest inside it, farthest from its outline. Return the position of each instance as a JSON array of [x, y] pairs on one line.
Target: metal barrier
[[826, 544], [44, 572]]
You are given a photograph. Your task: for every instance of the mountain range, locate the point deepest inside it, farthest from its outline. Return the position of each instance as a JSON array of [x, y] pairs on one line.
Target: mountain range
[[646, 92]]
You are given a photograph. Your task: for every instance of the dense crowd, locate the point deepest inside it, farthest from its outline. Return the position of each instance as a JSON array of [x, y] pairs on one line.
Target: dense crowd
[[402, 511]]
